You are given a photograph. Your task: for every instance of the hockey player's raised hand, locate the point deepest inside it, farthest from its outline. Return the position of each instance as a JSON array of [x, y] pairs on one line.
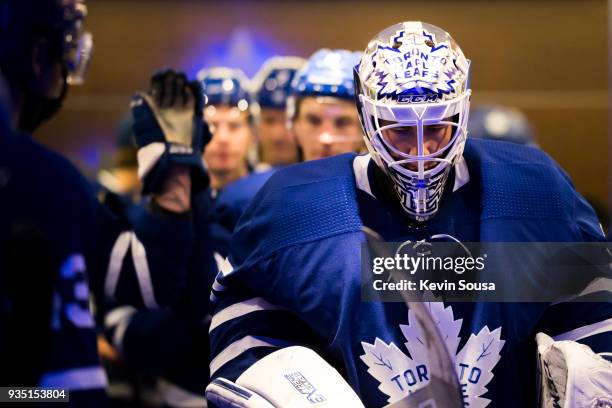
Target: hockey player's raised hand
[[172, 99], [171, 134]]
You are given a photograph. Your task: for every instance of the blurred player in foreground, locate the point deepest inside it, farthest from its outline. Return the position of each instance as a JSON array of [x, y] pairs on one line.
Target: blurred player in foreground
[[54, 237]]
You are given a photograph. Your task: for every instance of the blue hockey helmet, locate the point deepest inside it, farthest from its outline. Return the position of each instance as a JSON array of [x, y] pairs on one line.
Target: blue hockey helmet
[[501, 123], [327, 73], [272, 84], [225, 86]]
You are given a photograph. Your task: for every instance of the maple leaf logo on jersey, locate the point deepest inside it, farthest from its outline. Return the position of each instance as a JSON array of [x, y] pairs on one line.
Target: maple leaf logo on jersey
[[400, 375]]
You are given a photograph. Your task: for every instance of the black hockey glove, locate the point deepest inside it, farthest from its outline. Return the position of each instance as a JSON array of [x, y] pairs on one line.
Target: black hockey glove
[[169, 130]]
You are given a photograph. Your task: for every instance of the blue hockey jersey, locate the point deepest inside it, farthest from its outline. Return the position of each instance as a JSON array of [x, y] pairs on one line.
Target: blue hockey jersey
[[47, 223], [293, 276], [230, 204], [152, 297], [148, 270]]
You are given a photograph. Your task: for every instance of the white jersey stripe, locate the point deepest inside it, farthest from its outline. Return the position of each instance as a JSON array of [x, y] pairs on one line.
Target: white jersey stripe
[[226, 267], [360, 168], [139, 255], [462, 175], [219, 260], [116, 260], [119, 334], [586, 331], [119, 319], [217, 287], [117, 315], [234, 350], [240, 309]]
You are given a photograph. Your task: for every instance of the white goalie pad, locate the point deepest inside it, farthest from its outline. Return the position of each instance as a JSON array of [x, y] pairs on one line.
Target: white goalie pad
[[572, 375], [293, 377]]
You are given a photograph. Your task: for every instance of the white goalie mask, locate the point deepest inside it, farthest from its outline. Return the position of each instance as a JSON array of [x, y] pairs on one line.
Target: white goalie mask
[[413, 99]]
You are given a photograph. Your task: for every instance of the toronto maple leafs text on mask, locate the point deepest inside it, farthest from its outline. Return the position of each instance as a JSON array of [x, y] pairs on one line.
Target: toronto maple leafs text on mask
[[412, 264]]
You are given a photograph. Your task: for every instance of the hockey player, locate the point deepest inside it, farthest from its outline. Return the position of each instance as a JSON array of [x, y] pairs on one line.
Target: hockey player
[[501, 123], [152, 313], [47, 211], [272, 86], [293, 277], [512, 125], [121, 177], [276, 146], [54, 237], [321, 118], [228, 110]]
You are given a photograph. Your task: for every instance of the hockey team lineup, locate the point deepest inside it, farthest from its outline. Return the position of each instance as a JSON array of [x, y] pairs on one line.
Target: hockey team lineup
[[295, 222]]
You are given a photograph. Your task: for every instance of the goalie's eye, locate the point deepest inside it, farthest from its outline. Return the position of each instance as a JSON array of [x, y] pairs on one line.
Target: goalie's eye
[[405, 138]]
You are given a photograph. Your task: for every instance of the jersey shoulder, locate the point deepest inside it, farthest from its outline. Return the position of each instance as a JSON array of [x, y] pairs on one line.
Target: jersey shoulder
[[41, 171], [241, 191], [499, 151], [298, 204], [518, 181], [47, 195]]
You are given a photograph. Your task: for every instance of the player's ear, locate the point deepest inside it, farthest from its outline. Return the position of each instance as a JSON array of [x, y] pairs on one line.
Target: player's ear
[[39, 57], [46, 71]]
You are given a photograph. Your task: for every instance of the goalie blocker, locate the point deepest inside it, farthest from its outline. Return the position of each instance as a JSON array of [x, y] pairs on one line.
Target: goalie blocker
[[290, 377]]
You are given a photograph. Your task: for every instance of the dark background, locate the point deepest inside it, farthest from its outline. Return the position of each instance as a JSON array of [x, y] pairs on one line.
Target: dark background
[[548, 58]]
